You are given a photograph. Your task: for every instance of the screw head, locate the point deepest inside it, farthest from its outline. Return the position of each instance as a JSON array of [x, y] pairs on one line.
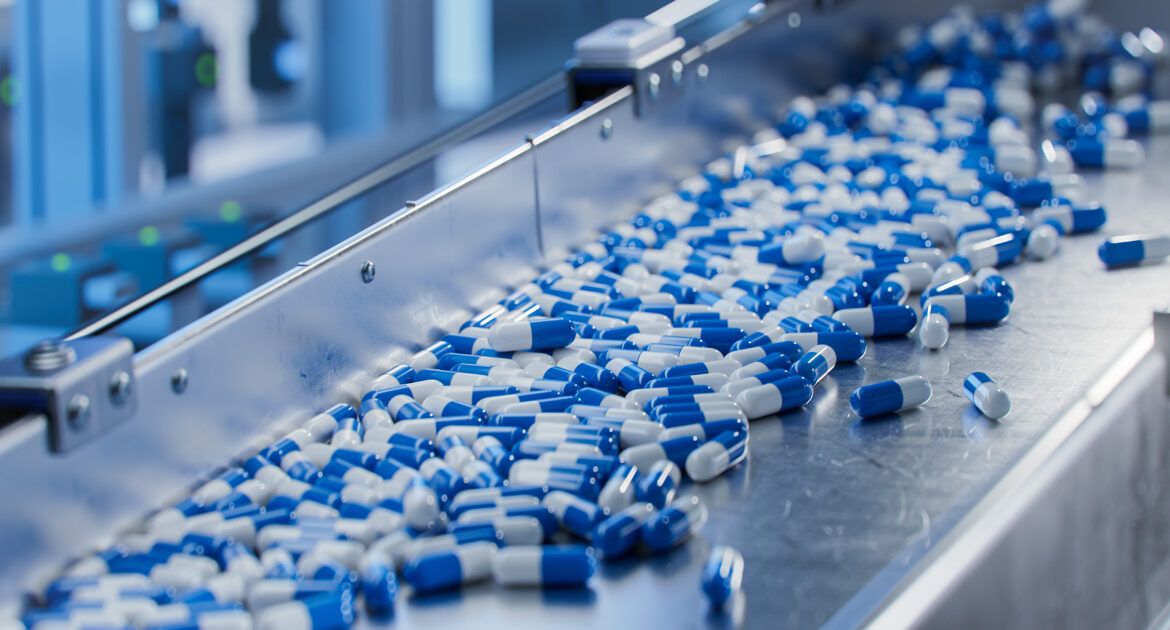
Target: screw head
[[606, 129], [78, 412], [794, 20], [702, 71], [179, 381], [676, 71], [368, 271], [120, 387]]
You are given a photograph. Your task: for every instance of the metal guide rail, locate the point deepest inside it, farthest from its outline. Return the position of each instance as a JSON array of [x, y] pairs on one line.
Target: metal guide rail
[[840, 520]]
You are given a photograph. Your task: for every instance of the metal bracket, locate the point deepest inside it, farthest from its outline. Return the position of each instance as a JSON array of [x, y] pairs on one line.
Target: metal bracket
[[623, 52], [1162, 338], [84, 387]]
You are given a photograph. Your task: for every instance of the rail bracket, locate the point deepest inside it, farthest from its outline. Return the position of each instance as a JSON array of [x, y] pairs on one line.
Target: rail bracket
[[83, 387]]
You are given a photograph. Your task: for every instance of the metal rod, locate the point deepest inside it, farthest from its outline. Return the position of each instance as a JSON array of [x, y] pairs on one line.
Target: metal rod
[[321, 207]]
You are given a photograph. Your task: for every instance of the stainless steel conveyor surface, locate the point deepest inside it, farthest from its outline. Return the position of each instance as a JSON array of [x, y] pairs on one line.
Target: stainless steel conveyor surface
[[833, 515], [828, 507]]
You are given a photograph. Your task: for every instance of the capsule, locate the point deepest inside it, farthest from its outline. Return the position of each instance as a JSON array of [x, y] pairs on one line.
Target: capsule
[[574, 514], [978, 308], [645, 455], [660, 483], [674, 524], [331, 610], [878, 399], [450, 569], [722, 575], [935, 328], [535, 334], [816, 364], [878, 321], [617, 534], [1134, 249], [559, 566], [717, 455], [780, 396], [849, 346], [1109, 153], [734, 388], [987, 396], [620, 490]]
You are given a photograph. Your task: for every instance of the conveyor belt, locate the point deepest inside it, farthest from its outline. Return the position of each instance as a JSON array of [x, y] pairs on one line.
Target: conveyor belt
[[830, 512]]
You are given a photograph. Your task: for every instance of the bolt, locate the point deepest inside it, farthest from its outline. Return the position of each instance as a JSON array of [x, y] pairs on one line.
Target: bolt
[[368, 271], [676, 71], [78, 412], [653, 82], [702, 71], [48, 355], [120, 387], [606, 129], [794, 20], [179, 381]]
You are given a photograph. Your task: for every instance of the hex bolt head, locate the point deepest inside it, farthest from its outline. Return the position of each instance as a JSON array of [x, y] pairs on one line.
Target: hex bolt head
[[179, 381], [368, 271]]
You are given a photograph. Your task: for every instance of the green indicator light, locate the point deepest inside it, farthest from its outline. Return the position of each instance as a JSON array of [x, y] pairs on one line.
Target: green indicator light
[[230, 211], [9, 90], [60, 262], [206, 70], [148, 236]]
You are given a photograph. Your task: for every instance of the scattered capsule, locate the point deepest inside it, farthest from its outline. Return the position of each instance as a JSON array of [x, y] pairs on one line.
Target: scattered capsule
[[783, 395], [1132, 250], [935, 328], [987, 396], [717, 455], [878, 399], [722, 575], [816, 364], [450, 569], [674, 524]]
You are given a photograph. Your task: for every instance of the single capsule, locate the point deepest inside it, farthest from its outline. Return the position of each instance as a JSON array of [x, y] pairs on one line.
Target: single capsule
[[935, 329], [978, 308], [379, 583], [561, 565], [1134, 249], [722, 575], [1094, 153], [617, 534], [674, 524], [987, 396], [659, 485], [717, 455], [782, 395], [329, 610], [1043, 242], [848, 345], [816, 364], [465, 564], [620, 490], [644, 456], [537, 334], [892, 291], [878, 321], [575, 515], [878, 399]]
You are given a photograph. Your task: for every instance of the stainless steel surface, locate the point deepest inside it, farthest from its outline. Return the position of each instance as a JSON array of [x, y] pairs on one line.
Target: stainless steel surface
[[84, 387], [1075, 536], [830, 512]]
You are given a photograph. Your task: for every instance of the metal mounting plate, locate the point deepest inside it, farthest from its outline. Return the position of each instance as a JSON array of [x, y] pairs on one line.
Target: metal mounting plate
[[91, 392]]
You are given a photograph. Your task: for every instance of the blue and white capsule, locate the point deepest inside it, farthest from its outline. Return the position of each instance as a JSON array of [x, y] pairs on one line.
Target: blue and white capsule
[[977, 308], [465, 564], [535, 334], [886, 397], [674, 524], [987, 396], [878, 321], [722, 576], [617, 534], [1133, 249], [564, 566], [776, 397], [718, 455], [816, 364]]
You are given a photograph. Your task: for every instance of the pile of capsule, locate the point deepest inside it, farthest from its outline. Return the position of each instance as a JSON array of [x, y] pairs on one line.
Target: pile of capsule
[[554, 429]]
